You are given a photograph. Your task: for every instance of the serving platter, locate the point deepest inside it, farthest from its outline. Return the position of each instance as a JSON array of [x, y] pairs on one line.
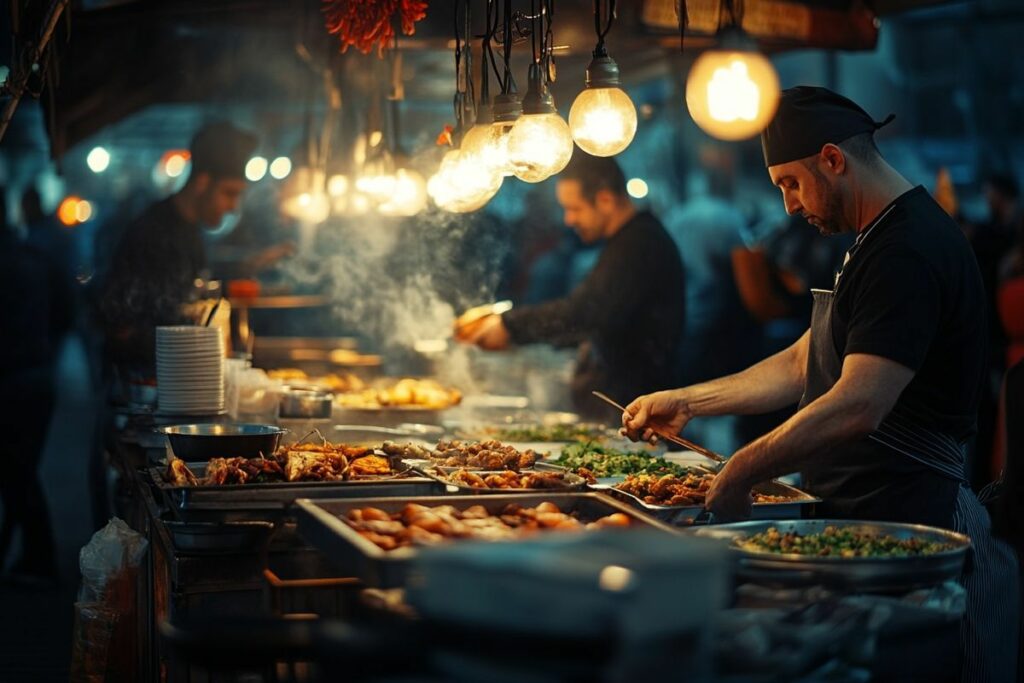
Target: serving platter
[[799, 504], [440, 474], [320, 523], [276, 495], [885, 574]]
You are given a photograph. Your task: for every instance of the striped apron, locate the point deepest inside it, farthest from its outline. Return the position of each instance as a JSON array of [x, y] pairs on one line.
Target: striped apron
[[907, 472]]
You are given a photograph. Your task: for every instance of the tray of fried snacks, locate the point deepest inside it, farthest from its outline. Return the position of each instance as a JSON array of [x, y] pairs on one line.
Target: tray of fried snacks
[[404, 394], [679, 498], [473, 455], [303, 470], [848, 554], [466, 481], [376, 539]]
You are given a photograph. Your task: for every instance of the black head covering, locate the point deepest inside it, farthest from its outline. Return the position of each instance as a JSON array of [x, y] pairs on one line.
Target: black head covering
[[222, 150], [809, 118]]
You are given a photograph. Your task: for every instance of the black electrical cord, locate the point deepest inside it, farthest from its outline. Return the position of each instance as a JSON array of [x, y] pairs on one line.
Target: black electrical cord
[[470, 88], [491, 30], [684, 21], [533, 31], [599, 49], [547, 45], [509, 82]]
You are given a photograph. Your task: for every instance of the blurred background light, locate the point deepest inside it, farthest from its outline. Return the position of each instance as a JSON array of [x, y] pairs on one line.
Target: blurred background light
[[280, 168], [256, 168], [637, 188], [98, 160]]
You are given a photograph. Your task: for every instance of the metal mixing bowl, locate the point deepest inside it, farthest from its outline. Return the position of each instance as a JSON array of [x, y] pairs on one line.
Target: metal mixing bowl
[[200, 442], [306, 403]]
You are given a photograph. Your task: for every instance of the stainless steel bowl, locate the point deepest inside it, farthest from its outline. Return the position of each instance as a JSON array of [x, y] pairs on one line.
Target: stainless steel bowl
[[200, 442], [306, 403]]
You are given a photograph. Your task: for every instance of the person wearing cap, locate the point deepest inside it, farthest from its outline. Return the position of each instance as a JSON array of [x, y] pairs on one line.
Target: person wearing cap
[[886, 379], [161, 253]]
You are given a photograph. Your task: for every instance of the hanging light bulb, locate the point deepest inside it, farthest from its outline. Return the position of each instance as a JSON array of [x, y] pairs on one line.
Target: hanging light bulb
[[487, 140], [603, 121], [377, 179], [602, 118], [732, 92], [540, 144], [461, 184], [409, 196]]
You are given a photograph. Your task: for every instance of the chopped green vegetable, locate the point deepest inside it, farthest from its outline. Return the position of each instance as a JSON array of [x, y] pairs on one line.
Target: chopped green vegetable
[[566, 432], [840, 542], [610, 462]]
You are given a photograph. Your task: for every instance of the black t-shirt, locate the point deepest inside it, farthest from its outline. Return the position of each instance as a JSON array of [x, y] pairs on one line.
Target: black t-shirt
[[629, 309], [152, 274], [912, 293]]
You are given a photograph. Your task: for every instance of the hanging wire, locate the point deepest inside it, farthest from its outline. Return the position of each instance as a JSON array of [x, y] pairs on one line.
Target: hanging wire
[[470, 89], [548, 43], [458, 101], [684, 21], [599, 49], [533, 32], [489, 33], [509, 82]]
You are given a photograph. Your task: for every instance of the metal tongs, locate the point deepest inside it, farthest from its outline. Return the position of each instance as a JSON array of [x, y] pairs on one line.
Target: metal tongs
[[685, 443]]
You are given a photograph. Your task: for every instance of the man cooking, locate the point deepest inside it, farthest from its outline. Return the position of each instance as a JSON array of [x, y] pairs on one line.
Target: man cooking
[[627, 315], [888, 375], [161, 254]]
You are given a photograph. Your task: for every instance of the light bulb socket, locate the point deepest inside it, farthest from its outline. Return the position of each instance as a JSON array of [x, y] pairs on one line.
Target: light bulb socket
[[538, 99], [603, 72], [484, 113], [735, 39], [507, 107]]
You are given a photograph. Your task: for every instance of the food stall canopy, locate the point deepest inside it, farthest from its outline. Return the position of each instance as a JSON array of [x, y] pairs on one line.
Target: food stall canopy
[[114, 57]]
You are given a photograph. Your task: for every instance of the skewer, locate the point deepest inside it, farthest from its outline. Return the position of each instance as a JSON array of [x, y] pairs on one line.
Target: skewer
[[685, 443]]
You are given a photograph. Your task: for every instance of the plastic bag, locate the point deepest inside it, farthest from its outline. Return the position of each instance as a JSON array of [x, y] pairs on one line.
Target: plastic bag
[[105, 558]]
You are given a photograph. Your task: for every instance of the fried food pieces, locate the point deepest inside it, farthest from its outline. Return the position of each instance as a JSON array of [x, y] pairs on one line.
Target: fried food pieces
[[671, 490], [484, 455], [507, 479], [421, 525], [405, 393], [295, 463]]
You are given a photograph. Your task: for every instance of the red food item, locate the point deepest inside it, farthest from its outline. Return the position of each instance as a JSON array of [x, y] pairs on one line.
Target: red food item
[[368, 23], [243, 289]]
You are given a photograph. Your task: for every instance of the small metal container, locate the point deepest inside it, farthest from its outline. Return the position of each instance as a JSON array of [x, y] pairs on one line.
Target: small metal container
[[200, 442], [306, 403]]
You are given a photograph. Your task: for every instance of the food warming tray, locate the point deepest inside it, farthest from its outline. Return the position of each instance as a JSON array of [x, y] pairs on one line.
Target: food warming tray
[[320, 523], [685, 515], [278, 495], [856, 573], [574, 482]]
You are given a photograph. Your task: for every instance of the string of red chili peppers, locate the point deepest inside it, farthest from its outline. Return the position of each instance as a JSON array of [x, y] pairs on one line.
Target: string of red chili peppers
[[365, 24]]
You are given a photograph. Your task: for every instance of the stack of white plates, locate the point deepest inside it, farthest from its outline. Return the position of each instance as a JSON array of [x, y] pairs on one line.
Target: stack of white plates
[[190, 370]]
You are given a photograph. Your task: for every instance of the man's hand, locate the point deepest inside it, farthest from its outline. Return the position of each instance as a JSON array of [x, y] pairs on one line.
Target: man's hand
[[729, 497], [488, 333], [663, 411]]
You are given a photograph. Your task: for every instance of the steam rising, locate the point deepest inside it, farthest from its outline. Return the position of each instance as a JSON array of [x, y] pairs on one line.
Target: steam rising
[[395, 284]]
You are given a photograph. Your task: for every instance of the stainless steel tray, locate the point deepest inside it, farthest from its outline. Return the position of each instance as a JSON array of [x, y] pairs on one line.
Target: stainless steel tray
[[685, 515], [320, 523], [279, 495], [858, 573], [574, 482]]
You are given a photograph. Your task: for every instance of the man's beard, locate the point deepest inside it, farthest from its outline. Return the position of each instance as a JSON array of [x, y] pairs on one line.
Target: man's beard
[[831, 222]]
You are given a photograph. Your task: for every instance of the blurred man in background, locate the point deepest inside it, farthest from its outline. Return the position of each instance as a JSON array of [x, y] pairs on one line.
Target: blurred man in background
[[161, 254], [627, 316]]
